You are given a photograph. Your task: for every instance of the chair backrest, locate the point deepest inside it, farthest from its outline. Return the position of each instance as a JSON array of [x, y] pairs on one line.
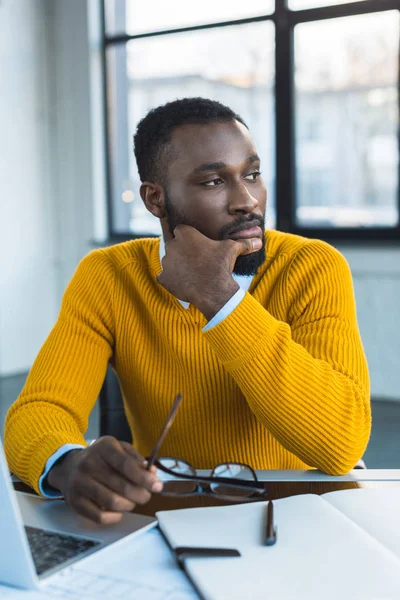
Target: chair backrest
[[112, 414]]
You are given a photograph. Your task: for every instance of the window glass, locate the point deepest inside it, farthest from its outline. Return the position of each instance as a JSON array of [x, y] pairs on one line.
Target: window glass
[[347, 120], [299, 4], [133, 17]]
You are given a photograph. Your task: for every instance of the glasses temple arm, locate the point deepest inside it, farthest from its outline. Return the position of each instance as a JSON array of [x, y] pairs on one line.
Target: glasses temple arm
[[258, 485]]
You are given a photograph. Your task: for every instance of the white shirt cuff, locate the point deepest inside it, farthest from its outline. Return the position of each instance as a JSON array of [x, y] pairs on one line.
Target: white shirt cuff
[[44, 490], [226, 310]]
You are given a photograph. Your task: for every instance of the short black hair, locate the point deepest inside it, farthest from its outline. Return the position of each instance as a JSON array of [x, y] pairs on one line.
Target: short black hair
[[154, 132]]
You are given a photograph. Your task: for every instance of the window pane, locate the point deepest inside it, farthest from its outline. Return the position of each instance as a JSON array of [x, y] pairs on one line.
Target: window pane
[[347, 121], [134, 16], [299, 4], [234, 65]]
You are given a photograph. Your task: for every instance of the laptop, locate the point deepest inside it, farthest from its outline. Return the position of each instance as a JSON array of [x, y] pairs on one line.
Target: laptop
[[40, 538]]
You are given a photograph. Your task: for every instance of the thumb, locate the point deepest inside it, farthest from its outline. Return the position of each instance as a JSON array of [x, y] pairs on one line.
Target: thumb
[[247, 246], [242, 247]]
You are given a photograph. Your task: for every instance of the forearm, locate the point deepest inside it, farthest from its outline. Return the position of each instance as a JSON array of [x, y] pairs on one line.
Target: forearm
[[35, 431], [65, 380], [317, 410]]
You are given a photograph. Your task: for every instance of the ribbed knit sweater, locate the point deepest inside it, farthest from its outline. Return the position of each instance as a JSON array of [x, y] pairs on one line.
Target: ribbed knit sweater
[[281, 383]]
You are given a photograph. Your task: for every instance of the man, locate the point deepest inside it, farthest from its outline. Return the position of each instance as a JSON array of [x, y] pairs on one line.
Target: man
[[256, 329]]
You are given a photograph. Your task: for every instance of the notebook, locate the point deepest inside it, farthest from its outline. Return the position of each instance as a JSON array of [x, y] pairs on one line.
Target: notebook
[[343, 544]]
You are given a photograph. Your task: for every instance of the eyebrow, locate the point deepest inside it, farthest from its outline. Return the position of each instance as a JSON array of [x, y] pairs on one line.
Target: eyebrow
[[220, 165]]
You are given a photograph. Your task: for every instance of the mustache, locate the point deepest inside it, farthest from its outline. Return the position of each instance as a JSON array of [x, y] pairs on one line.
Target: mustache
[[239, 224]]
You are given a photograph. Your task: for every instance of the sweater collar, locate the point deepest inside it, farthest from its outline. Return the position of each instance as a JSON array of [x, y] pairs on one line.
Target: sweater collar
[[243, 281]]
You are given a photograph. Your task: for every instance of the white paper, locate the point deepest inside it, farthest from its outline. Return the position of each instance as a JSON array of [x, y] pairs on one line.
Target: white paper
[[143, 569], [377, 511], [140, 569], [8, 593], [319, 553]]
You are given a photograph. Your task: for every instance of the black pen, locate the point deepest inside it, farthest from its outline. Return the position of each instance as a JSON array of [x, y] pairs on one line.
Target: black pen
[[270, 530]]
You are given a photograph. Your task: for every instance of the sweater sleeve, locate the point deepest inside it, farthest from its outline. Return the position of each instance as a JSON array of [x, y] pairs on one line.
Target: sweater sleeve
[[64, 382], [306, 380]]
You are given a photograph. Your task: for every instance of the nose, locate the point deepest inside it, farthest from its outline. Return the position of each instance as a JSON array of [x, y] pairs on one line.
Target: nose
[[240, 200]]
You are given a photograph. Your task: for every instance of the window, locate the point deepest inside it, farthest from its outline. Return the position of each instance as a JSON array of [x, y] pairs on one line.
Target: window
[[317, 82], [348, 92], [299, 4]]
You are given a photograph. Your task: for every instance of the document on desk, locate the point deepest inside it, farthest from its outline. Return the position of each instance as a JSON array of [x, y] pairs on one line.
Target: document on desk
[[341, 544], [7, 593], [141, 569]]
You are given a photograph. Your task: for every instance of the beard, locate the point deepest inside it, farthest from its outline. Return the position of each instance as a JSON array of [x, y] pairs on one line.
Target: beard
[[247, 264]]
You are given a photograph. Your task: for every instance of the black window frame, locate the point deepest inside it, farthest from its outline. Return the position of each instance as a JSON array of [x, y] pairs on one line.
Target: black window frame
[[285, 20]]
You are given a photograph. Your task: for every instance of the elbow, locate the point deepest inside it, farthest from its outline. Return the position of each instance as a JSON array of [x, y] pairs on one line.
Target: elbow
[[337, 469], [342, 460], [347, 449]]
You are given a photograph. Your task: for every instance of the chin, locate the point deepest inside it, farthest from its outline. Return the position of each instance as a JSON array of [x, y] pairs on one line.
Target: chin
[[249, 263]]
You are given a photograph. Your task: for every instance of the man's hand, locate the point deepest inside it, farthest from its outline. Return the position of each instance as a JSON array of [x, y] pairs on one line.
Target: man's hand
[[197, 269], [105, 480]]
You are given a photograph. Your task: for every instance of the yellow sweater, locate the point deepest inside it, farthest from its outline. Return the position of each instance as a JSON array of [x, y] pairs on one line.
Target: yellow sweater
[[281, 383]]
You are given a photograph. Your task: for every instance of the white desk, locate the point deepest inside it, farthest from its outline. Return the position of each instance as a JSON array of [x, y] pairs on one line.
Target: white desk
[[356, 475], [149, 560]]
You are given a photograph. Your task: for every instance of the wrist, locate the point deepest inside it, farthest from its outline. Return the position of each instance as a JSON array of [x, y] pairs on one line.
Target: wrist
[[59, 471], [211, 303]]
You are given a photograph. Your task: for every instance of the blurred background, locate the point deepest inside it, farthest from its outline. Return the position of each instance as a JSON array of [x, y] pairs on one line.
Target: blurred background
[[317, 81]]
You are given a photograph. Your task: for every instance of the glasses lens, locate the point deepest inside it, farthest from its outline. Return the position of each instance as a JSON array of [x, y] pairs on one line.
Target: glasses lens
[[233, 471], [180, 467]]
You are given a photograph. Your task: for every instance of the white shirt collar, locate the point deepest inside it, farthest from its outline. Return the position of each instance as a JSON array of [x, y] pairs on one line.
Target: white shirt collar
[[243, 281]]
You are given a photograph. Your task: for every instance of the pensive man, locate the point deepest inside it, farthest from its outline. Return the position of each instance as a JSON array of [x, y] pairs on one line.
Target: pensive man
[[257, 329]]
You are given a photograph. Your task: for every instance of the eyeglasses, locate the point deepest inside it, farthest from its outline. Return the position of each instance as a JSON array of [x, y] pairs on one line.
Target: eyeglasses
[[228, 481]]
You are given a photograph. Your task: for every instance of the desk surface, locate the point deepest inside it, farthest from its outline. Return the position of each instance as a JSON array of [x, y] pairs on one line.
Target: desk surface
[[279, 484], [144, 556]]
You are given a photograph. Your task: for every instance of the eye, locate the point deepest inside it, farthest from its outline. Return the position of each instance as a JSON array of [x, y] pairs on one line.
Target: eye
[[213, 182], [253, 176]]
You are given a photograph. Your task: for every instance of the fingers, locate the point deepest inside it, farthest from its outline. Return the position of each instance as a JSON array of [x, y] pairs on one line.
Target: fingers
[[241, 248], [105, 499], [249, 245], [131, 450], [107, 479], [130, 465], [180, 230], [88, 509], [122, 487]]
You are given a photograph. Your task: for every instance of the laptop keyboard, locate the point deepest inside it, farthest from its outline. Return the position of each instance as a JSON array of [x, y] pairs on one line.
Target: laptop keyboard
[[50, 549]]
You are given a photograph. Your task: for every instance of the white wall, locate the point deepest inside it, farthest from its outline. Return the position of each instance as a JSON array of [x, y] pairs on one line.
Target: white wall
[[46, 213], [27, 244], [376, 274], [71, 143], [52, 188]]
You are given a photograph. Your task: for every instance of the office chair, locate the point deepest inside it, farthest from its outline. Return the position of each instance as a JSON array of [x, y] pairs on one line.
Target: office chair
[[112, 415]]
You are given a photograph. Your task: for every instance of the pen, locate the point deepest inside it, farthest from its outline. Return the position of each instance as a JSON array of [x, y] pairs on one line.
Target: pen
[[270, 530]]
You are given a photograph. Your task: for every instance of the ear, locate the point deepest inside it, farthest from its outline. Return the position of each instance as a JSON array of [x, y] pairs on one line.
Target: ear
[[152, 195]]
